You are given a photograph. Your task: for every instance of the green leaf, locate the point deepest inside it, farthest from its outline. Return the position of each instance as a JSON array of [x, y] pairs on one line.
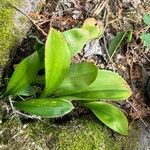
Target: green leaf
[[46, 107], [27, 91], [110, 116], [57, 61], [76, 39], [115, 43], [146, 19], [79, 76], [23, 75], [145, 37], [107, 86]]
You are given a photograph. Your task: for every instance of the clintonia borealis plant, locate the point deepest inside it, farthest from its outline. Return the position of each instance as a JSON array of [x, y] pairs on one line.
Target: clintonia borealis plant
[[63, 82]]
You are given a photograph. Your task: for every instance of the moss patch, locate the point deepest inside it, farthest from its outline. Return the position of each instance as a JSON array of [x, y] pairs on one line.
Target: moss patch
[[84, 133], [8, 32]]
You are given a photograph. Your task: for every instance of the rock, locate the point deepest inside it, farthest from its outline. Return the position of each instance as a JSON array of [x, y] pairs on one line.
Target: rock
[[134, 3], [144, 136], [93, 48], [83, 133], [13, 28], [13, 25]]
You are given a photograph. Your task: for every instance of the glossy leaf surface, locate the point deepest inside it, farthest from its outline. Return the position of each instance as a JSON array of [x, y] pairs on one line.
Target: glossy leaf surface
[[23, 75], [27, 91], [115, 43], [108, 85], [145, 37], [110, 116], [57, 61], [79, 76], [45, 107], [78, 37], [146, 19]]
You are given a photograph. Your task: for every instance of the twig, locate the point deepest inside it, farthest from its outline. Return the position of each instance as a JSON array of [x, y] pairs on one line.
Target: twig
[[144, 55], [28, 116], [138, 114], [100, 7], [31, 20], [11, 104]]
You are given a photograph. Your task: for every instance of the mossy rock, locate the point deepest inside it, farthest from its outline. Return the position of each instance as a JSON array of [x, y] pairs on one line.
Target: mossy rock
[[13, 25], [83, 133]]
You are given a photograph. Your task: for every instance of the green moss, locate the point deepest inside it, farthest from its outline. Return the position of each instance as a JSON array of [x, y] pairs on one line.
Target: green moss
[[77, 135], [8, 34], [84, 133], [119, 142], [88, 133]]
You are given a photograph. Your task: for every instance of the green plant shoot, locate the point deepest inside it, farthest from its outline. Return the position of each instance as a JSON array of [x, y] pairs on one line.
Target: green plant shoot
[[62, 82]]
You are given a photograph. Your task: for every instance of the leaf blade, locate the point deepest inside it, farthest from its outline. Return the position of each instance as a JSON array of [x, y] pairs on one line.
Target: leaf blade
[[23, 75], [57, 61], [109, 115], [27, 91], [115, 43], [107, 86], [79, 76], [145, 37], [146, 19], [76, 39], [46, 107]]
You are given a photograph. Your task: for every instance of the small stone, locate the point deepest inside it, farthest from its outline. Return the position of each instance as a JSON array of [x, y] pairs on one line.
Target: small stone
[[93, 48], [102, 66], [119, 57], [134, 3], [76, 14]]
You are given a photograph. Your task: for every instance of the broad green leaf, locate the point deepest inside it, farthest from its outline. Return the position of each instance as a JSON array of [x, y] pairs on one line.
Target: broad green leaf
[[107, 86], [23, 75], [145, 37], [57, 61], [85, 73], [27, 91], [146, 19], [115, 43], [76, 39], [110, 116], [79, 76], [45, 107]]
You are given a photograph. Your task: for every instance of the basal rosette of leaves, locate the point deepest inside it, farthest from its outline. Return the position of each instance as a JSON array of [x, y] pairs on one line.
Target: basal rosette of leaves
[[63, 82]]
